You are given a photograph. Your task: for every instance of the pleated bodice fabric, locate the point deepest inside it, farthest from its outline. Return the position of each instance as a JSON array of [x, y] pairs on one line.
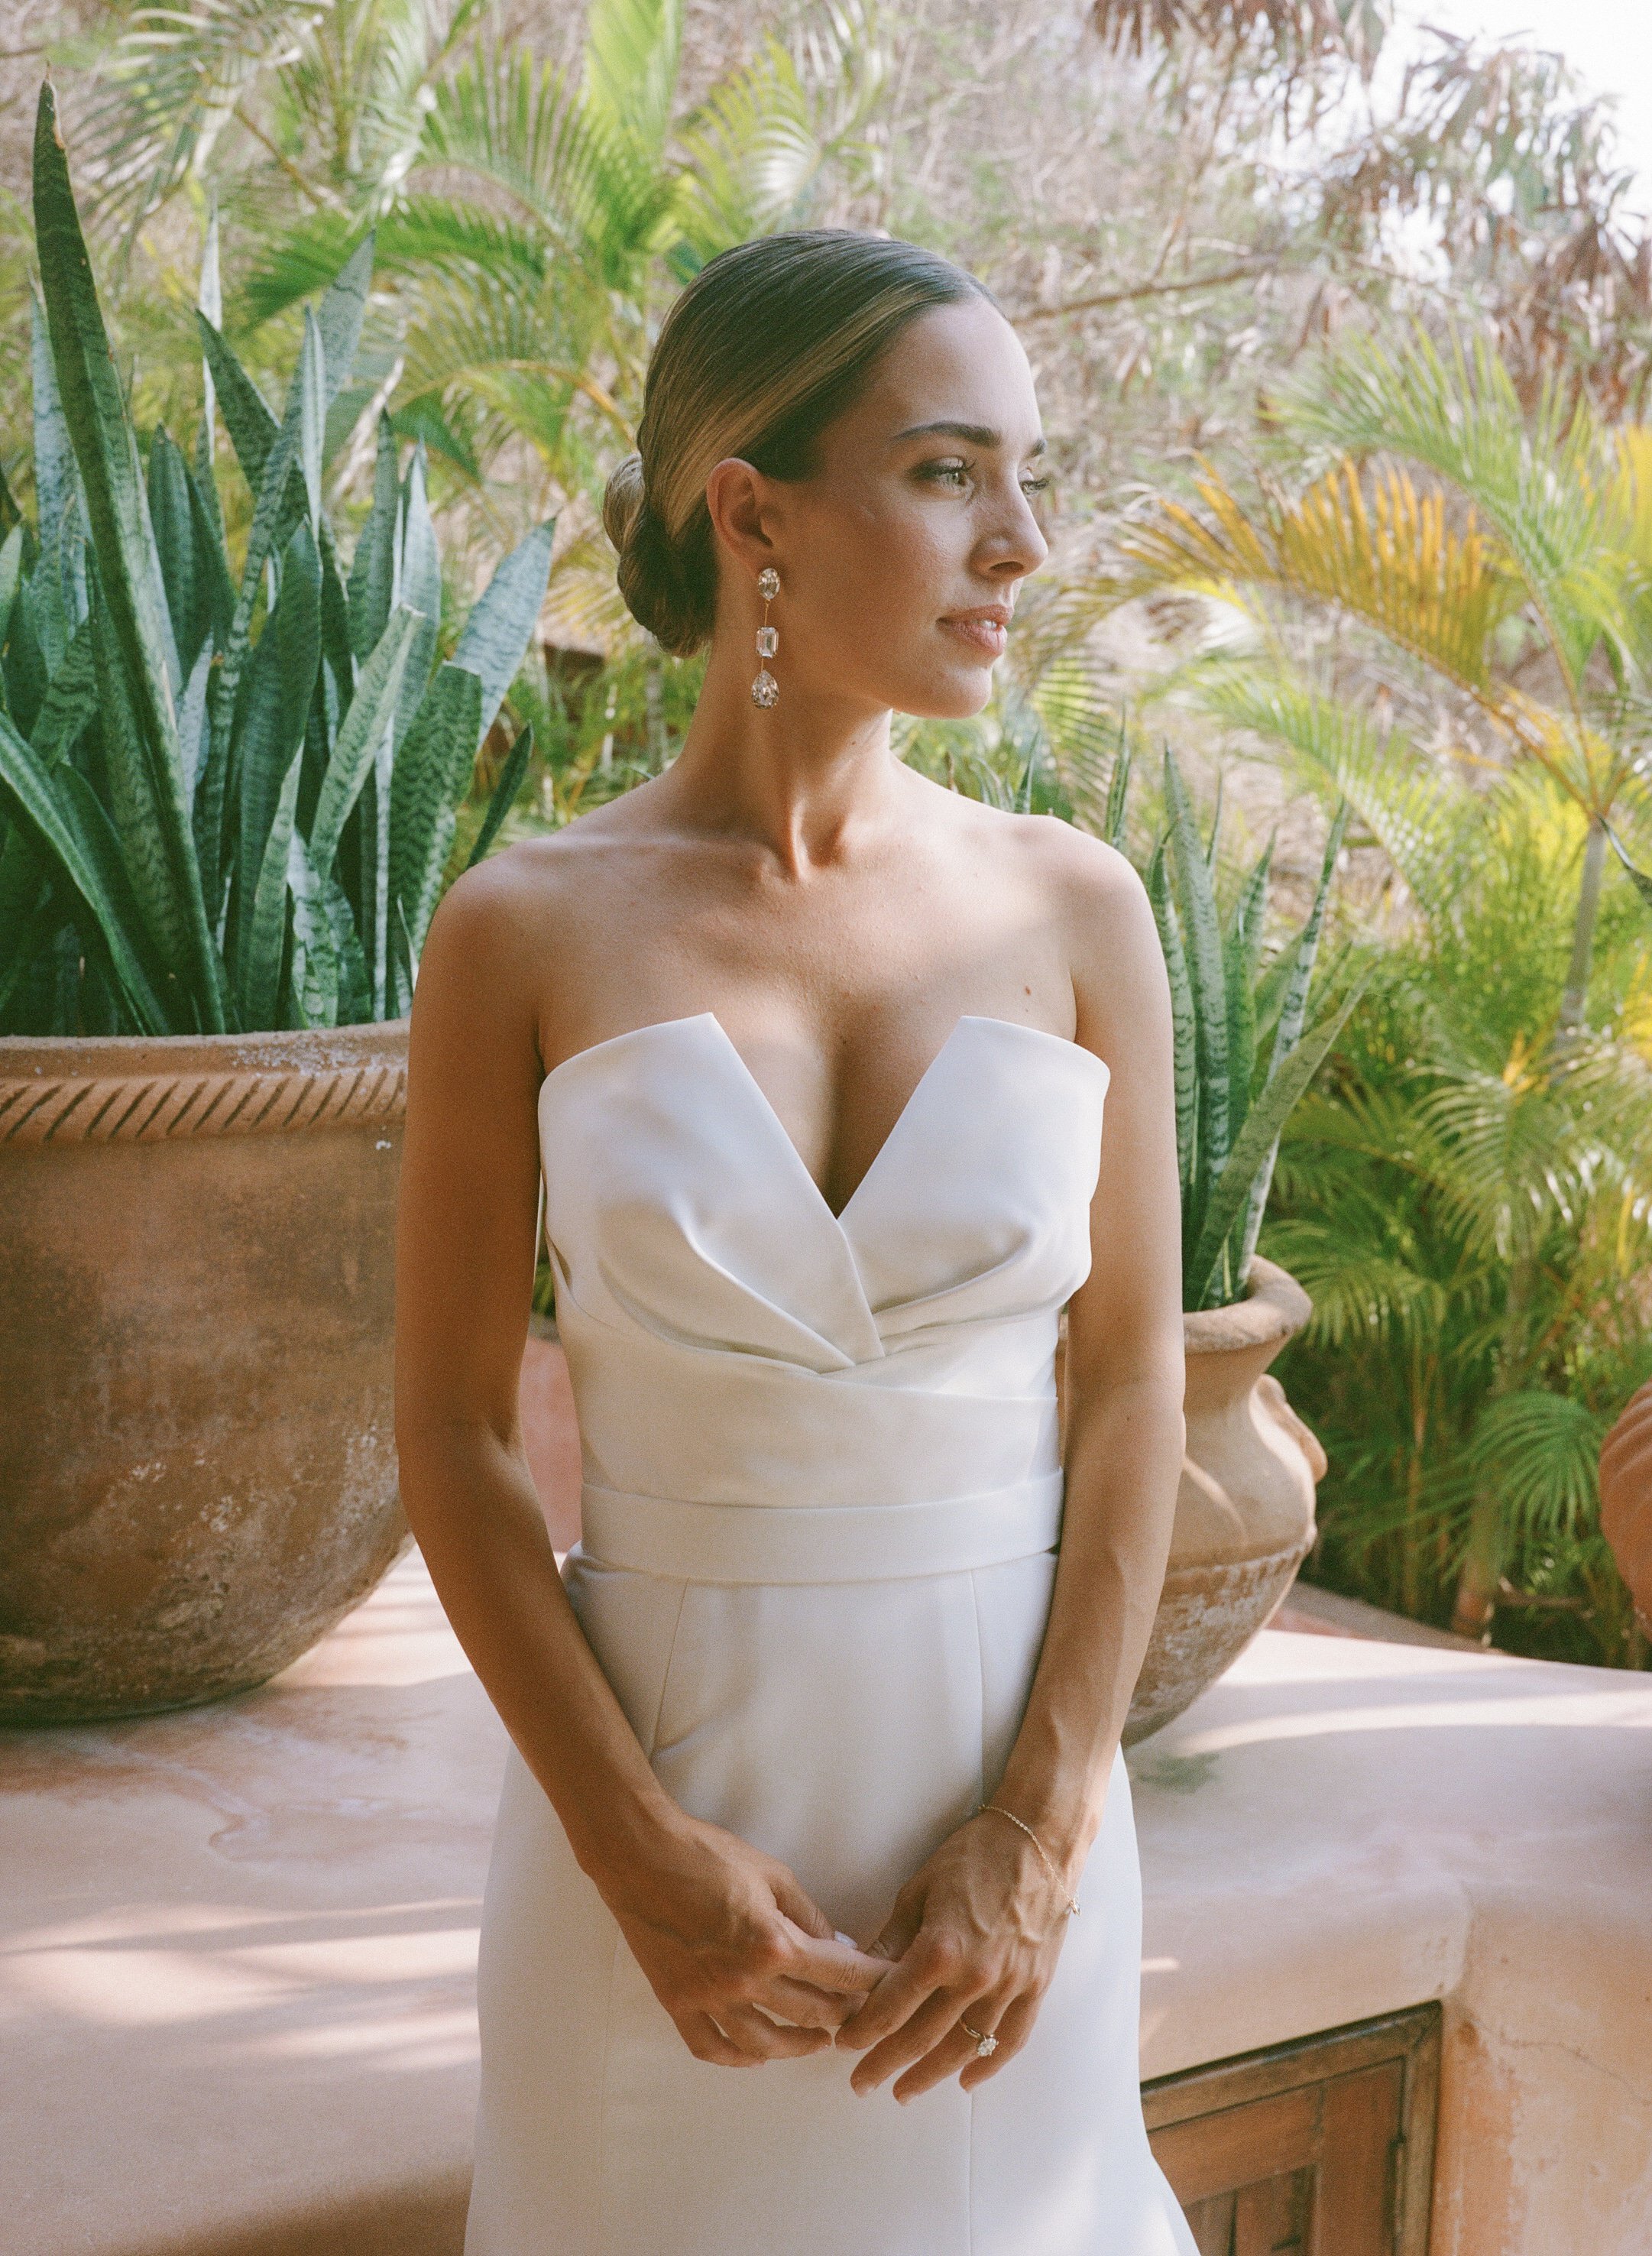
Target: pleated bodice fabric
[[822, 1505]]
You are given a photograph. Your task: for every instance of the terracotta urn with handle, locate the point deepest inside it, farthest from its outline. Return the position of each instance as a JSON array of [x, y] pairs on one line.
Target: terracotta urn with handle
[[1245, 1509]]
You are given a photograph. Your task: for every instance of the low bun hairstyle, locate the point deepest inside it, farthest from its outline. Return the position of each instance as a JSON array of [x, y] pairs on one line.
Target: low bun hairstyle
[[768, 343]]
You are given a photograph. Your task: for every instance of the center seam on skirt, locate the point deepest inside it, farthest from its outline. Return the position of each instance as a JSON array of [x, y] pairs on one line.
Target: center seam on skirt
[[980, 1795]]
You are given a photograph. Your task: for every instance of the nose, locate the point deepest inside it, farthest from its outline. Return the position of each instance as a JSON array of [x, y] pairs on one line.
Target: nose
[[1015, 543]]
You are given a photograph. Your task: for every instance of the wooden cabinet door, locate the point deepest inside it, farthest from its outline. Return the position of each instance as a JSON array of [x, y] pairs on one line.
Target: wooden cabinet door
[[1322, 2147]]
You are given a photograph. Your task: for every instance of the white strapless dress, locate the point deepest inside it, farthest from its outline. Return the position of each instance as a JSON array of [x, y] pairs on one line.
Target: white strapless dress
[[823, 1494]]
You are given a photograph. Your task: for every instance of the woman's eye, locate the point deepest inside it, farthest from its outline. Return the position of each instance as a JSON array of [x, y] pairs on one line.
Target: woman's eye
[[1034, 485], [946, 469]]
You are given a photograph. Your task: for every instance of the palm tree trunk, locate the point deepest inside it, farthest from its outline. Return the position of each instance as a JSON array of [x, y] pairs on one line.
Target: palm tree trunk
[[1476, 1601], [1577, 990]]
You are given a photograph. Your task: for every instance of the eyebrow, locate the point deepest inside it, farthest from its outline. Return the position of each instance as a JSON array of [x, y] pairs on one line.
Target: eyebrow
[[978, 435]]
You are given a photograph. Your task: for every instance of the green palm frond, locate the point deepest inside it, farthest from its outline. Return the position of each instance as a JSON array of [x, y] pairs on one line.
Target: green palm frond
[[1539, 1450]]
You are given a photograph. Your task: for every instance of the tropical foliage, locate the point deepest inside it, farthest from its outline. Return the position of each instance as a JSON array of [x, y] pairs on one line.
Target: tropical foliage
[[206, 828], [1341, 370]]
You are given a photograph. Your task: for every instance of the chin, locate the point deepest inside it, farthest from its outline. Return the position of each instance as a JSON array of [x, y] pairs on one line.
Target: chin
[[956, 696]]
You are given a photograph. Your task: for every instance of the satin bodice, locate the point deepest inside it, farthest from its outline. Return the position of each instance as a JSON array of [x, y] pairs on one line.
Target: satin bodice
[[731, 1341]]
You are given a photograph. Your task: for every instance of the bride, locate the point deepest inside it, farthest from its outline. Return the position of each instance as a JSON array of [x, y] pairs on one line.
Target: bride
[[815, 1764]]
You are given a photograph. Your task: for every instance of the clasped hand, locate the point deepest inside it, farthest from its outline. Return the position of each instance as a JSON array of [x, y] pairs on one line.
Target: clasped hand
[[750, 1970]]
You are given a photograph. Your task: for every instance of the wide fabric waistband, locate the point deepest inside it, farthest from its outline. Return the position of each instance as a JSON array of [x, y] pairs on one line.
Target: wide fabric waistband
[[820, 1543]]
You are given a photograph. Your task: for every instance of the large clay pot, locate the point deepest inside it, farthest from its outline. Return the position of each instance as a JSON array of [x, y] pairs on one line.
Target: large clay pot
[[1244, 1512], [197, 1460], [1626, 1498]]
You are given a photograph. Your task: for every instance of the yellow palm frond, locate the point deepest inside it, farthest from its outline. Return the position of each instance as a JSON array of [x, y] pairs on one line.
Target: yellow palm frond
[[1372, 545]]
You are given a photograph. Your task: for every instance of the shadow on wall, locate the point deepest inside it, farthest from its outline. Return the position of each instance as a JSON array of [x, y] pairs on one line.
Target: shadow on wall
[[429, 2221]]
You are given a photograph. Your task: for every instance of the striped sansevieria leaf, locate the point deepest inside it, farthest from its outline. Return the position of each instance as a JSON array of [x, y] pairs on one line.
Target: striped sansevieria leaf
[[227, 799]]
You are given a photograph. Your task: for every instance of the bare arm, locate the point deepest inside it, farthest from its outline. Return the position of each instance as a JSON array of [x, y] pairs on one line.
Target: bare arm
[[719, 1928], [977, 1931]]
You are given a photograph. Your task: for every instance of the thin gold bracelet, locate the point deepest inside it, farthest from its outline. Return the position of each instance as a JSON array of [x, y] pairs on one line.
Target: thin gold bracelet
[[1071, 1908]]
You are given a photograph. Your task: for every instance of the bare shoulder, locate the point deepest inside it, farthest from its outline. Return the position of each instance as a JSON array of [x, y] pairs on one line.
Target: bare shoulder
[[521, 907], [1095, 900]]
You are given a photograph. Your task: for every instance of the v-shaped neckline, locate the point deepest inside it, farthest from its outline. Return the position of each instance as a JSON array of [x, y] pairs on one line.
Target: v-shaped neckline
[[838, 1216], [765, 1101]]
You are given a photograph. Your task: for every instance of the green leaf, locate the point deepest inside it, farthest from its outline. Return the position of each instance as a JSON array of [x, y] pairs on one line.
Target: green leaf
[[1293, 1009], [267, 925], [1255, 1144], [69, 703], [315, 958], [355, 993], [504, 795], [54, 475], [1638, 879], [191, 717], [1182, 1024], [212, 566], [1201, 935], [372, 710], [11, 578], [60, 832], [1118, 793], [433, 766], [311, 383], [22, 883], [418, 587], [138, 634], [279, 687], [505, 615], [269, 510], [171, 510], [373, 567], [342, 313], [1241, 948]]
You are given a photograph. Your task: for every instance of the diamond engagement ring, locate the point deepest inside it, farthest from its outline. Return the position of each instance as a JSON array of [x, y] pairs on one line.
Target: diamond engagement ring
[[985, 2046]]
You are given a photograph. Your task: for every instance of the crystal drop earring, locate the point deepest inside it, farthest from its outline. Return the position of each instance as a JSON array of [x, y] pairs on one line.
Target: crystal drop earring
[[765, 690]]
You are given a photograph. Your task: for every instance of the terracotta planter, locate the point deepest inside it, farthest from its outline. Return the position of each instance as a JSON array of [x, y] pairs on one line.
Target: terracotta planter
[[197, 1462], [1244, 1512], [1625, 1496]]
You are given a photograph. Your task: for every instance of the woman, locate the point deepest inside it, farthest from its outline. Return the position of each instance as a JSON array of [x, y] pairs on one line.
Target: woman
[[812, 1054]]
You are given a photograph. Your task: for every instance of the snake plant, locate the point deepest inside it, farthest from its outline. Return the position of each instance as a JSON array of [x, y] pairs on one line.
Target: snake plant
[[1230, 1104], [206, 828]]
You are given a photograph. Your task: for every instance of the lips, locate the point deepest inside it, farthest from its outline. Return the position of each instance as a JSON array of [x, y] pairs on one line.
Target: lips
[[986, 630]]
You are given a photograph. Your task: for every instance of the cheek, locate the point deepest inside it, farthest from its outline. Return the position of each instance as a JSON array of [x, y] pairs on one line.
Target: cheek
[[890, 565]]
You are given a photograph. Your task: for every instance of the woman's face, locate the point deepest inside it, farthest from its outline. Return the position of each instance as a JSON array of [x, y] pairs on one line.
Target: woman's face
[[924, 510]]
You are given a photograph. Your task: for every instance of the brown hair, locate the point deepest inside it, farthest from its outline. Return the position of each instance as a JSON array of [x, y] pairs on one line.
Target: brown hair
[[769, 343]]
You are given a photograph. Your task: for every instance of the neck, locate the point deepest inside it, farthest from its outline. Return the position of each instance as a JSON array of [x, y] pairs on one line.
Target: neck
[[800, 778]]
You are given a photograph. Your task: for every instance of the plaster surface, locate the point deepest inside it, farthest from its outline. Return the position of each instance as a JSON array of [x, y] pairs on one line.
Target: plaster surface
[[237, 1944]]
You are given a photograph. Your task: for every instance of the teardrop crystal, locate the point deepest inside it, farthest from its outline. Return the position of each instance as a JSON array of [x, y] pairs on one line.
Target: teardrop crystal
[[765, 690]]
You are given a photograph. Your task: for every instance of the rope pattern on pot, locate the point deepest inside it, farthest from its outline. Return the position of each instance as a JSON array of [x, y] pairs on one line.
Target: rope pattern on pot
[[147, 1107]]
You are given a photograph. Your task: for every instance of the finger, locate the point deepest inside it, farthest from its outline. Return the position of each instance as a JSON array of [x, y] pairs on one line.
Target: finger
[[928, 2026], [933, 1961], [955, 2050], [833, 1965], [803, 2003], [800, 1907], [1012, 2029], [707, 2042], [768, 2040]]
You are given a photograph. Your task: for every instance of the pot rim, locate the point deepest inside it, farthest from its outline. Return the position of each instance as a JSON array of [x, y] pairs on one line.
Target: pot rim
[[1275, 1308], [105, 1055], [61, 1091]]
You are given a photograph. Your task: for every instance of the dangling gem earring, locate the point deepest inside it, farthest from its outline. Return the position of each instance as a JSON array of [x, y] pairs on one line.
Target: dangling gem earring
[[765, 690]]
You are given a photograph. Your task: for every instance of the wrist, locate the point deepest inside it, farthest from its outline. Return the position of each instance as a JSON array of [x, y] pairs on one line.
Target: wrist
[[617, 1846], [1062, 1827]]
